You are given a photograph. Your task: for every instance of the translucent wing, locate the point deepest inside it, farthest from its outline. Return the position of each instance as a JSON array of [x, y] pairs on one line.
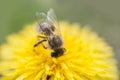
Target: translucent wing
[[41, 17], [52, 19]]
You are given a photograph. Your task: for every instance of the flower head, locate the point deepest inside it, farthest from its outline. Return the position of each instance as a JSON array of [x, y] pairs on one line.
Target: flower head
[[87, 57]]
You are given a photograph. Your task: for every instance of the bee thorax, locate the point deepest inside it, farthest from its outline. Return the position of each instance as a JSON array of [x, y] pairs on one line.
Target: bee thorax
[[56, 42]]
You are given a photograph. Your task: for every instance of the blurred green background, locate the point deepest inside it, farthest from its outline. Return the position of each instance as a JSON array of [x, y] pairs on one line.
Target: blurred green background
[[102, 15]]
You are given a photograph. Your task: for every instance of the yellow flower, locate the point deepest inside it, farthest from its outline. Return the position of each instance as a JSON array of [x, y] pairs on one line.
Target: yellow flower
[[87, 57]]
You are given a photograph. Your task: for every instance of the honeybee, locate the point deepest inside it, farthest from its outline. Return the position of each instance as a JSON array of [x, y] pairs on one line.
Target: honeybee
[[48, 26]]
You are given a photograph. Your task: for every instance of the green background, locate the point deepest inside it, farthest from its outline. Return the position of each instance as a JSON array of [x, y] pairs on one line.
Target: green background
[[102, 15]]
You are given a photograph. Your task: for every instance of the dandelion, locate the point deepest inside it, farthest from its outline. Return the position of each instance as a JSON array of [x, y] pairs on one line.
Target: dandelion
[[87, 57]]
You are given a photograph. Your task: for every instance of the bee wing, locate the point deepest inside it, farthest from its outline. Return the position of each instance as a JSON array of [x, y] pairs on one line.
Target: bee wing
[[52, 19], [41, 17]]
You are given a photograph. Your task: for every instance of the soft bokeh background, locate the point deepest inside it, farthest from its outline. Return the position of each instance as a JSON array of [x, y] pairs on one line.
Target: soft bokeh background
[[102, 15]]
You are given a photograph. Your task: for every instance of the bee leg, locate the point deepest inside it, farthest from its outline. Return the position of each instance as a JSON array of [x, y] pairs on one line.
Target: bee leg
[[41, 36], [44, 46], [39, 42]]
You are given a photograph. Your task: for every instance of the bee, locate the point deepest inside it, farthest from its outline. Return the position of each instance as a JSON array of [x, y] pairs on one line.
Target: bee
[[48, 26]]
